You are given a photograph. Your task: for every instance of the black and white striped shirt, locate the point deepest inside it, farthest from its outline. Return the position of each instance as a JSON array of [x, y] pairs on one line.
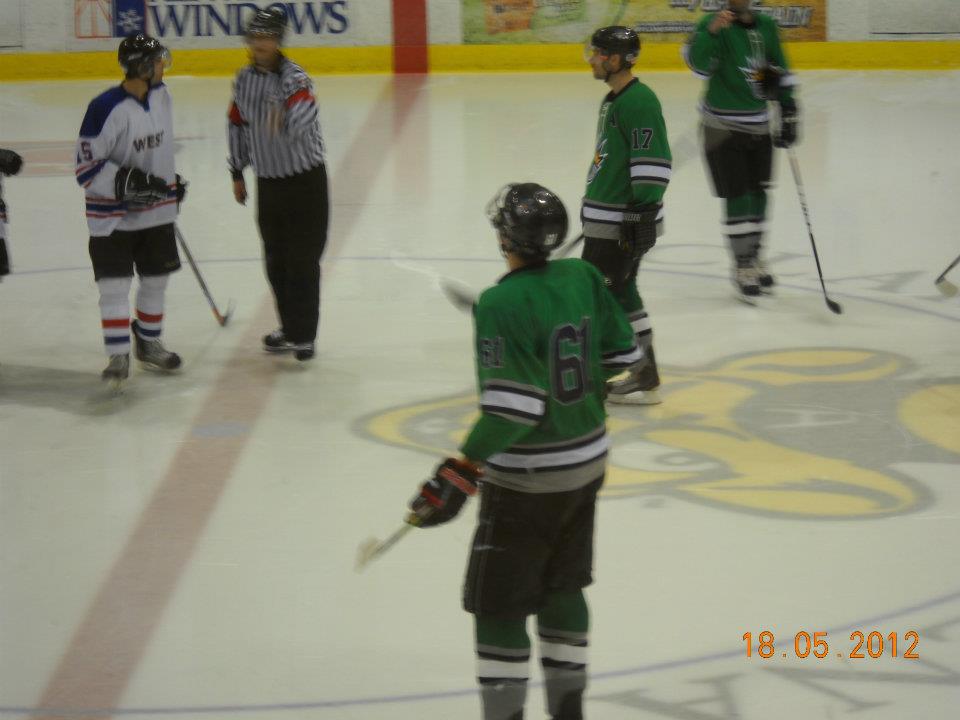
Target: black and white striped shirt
[[274, 122]]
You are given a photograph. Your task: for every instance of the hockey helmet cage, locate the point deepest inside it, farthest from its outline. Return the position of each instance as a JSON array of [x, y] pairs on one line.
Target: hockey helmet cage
[[616, 40], [138, 52], [271, 22], [530, 220]]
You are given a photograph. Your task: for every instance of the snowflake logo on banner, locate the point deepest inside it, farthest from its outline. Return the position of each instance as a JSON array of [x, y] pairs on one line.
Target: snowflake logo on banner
[[130, 20]]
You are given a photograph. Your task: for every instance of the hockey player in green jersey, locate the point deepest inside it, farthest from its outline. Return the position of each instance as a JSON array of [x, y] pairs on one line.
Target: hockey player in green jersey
[[738, 52], [622, 209], [548, 335]]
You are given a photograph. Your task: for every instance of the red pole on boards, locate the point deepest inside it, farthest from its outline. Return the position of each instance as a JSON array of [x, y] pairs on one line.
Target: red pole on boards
[[410, 36]]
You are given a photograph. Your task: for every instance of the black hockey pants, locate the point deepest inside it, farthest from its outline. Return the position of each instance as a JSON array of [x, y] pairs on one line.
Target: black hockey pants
[[293, 214]]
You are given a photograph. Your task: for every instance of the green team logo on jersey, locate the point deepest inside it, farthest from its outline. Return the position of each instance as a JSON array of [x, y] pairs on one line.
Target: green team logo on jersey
[[815, 433], [598, 157], [756, 63]]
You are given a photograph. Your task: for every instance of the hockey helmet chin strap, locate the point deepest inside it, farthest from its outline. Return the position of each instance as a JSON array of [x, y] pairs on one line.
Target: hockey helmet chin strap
[[147, 69], [623, 66]]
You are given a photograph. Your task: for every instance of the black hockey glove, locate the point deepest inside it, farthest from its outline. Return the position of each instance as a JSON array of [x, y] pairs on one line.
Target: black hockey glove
[[769, 81], [638, 231], [10, 162], [442, 496], [137, 188], [181, 190], [789, 120]]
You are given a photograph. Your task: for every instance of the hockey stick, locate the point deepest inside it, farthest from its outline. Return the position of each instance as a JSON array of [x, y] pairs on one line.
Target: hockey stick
[[222, 318], [372, 548], [459, 295], [567, 248], [795, 167], [457, 292], [620, 11], [946, 287]]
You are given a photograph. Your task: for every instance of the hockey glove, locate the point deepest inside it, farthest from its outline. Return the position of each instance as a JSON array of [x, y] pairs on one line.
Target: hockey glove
[[638, 231], [769, 80], [789, 120], [442, 496], [137, 188], [181, 190], [10, 162]]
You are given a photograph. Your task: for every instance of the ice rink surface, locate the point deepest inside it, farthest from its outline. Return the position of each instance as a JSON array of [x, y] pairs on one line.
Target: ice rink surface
[[186, 549]]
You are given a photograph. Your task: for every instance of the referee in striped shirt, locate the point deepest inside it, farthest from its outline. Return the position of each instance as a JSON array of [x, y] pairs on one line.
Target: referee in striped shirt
[[273, 126]]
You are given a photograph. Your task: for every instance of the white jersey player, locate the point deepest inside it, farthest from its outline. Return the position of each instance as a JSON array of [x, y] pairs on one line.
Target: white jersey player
[[125, 163]]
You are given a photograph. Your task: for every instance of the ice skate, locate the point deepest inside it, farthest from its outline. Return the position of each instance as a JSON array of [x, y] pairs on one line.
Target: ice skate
[[304, 351], [117, 371], [765, 279], [637, 387], [746, 281], [152, 354], [276, 342]]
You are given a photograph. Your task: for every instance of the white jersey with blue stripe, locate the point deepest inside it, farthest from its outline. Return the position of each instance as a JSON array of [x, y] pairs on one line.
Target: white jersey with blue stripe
[[121, 131]]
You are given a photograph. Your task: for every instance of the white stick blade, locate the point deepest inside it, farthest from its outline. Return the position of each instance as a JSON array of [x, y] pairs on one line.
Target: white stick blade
[[947, 288], [366, 552]]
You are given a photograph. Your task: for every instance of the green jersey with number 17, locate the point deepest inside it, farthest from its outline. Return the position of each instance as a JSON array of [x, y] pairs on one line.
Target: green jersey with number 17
[[548, 336], [632, 161]]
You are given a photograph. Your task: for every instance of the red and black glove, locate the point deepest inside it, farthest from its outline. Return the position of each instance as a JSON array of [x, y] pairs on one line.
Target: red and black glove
[[442, 496]]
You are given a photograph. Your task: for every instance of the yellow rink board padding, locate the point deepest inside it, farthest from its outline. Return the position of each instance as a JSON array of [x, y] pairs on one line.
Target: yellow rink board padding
[[900, 55], [64, 66], [879, 55]]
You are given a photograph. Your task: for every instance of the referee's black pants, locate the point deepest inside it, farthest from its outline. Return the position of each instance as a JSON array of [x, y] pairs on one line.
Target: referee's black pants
[[293, 214]]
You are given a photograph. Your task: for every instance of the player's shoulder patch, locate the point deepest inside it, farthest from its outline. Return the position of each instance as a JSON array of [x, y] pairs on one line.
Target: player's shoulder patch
[[160, 92], [705, 20], [640, 93], [570, 264], [579, 266], [490, 298], [99, 110]]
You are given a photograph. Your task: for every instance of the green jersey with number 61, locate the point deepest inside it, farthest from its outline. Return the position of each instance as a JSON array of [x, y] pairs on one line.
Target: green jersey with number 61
[[631, 163], [547, 338]]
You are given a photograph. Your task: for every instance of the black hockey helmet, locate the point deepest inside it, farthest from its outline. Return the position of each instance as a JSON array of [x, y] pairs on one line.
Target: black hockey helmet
[[271, 22], [616, 40], [530, 219], [138, 52]]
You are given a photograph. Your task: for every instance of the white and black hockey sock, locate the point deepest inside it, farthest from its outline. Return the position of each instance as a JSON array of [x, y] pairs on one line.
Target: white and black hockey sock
[[563, 656], [502, 674]]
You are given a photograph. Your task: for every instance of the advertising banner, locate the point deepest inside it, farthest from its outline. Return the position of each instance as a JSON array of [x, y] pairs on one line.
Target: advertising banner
[[566, 21], [96, 24]]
